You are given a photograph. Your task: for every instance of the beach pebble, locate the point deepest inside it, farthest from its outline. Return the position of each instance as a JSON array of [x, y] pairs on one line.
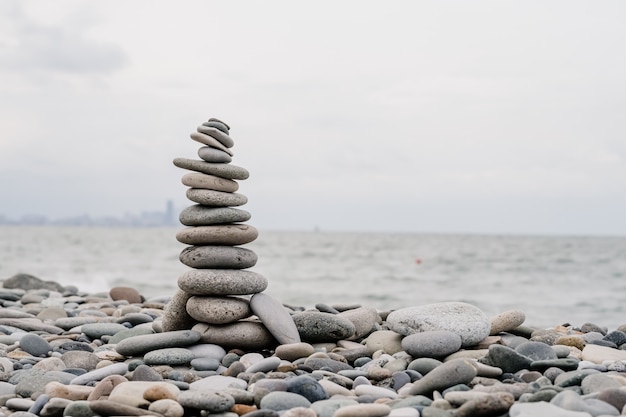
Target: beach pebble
[[457, 371], [506, 321], [216, 198], [226, 234], [599, 354], [245, 335], [506, 359], [431, 344], [100, 373], [364, 320], [97, 330], [141, 393], [129, 294], [315, 326], [209, 182], [167, 408], [199, 215], [35, 345], [138, 345], [175, 315], [386, 340], [275, 318], [308, 387], [227, 257], [363, 410], [211, 401], [466, 320], [228, 171], [279, 401], [293, 351], [168, 356], [210, 154], [218, 310], [216, 133], [221, 282]]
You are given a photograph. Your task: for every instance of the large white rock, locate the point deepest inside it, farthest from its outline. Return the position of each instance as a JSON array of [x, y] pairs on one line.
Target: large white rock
[[466, 320]]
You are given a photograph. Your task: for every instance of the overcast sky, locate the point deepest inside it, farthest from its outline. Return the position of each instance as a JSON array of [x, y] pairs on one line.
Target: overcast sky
[[417, 116]]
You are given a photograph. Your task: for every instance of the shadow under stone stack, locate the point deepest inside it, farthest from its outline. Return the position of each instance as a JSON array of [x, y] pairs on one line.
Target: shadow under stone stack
[[213, 297]]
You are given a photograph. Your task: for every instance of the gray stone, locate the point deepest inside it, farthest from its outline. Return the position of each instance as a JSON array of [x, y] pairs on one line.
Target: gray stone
[[208, 350], [168, 356], [97, 330], [279, 401], [275, 317], [214, 155], [466, 320], [138, 345], [598, 382], [28, 282], [292, 351], [78, 409], [457, 371], [205, 364], [218, 257], [315, 326], [246, 335], [80, 359], [308, 387], [218, 310], [433, 344], [264, 365], [221, 282], [211, 401], [227, 234], [506, 359], [199, 215], [364, 320], [327, 408], [520, 409], [100, 373], [217, 134], [114, 408], [175, 315], [364, 410], [209, 141], [218, 124], [35, 345], [570, 400], [229, 171], [327, 363], [215, 198], [209, 182], [536, 351]]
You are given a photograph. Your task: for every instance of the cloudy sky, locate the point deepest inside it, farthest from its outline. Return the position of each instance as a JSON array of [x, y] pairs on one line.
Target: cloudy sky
[[419, 116]]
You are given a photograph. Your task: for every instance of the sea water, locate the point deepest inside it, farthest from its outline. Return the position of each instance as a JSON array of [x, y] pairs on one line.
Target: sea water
[[554, 280]]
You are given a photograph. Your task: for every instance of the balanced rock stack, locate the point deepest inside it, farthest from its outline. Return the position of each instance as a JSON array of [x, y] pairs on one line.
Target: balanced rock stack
[[213, 297]]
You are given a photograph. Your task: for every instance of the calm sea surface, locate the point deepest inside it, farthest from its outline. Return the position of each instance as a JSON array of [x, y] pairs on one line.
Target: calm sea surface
[[552, 279]]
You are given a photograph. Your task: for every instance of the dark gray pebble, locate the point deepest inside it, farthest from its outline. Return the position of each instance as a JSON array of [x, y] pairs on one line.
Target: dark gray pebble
[[308, 387]]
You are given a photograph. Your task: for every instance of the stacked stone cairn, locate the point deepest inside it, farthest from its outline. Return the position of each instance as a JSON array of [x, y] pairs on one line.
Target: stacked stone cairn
[[219, 297]]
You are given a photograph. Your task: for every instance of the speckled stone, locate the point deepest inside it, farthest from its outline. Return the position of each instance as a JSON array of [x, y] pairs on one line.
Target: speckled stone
[[246, 335], [228, 171], [279, 401], [466, 320], [315, 326], [175, 315], [199, 215], [230, 234], [506, 321], [211, 401], [218, 310], [216, 198], [168, 356], [209, 182], [218, 257], [221, 282]]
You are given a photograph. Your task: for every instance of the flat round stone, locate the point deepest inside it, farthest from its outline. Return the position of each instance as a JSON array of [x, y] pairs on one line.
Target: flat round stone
[[229, 171], [138, 345], [216, 198], [210, 141], [218, 310], [199, 215], [221, 282], [210, 154], [218, 257], [209, 182], [217, 134], [246, 335], [228, 234]]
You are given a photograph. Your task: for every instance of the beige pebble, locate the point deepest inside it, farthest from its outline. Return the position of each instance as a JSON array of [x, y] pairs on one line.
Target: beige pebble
[[167, 407], [69, 392], [506, 321]]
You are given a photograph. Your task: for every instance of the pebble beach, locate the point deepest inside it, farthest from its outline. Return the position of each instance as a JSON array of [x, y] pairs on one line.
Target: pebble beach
[[64, 352]]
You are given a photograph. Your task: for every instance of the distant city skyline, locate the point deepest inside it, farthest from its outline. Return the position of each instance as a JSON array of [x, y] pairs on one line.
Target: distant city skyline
[[167, 217]]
